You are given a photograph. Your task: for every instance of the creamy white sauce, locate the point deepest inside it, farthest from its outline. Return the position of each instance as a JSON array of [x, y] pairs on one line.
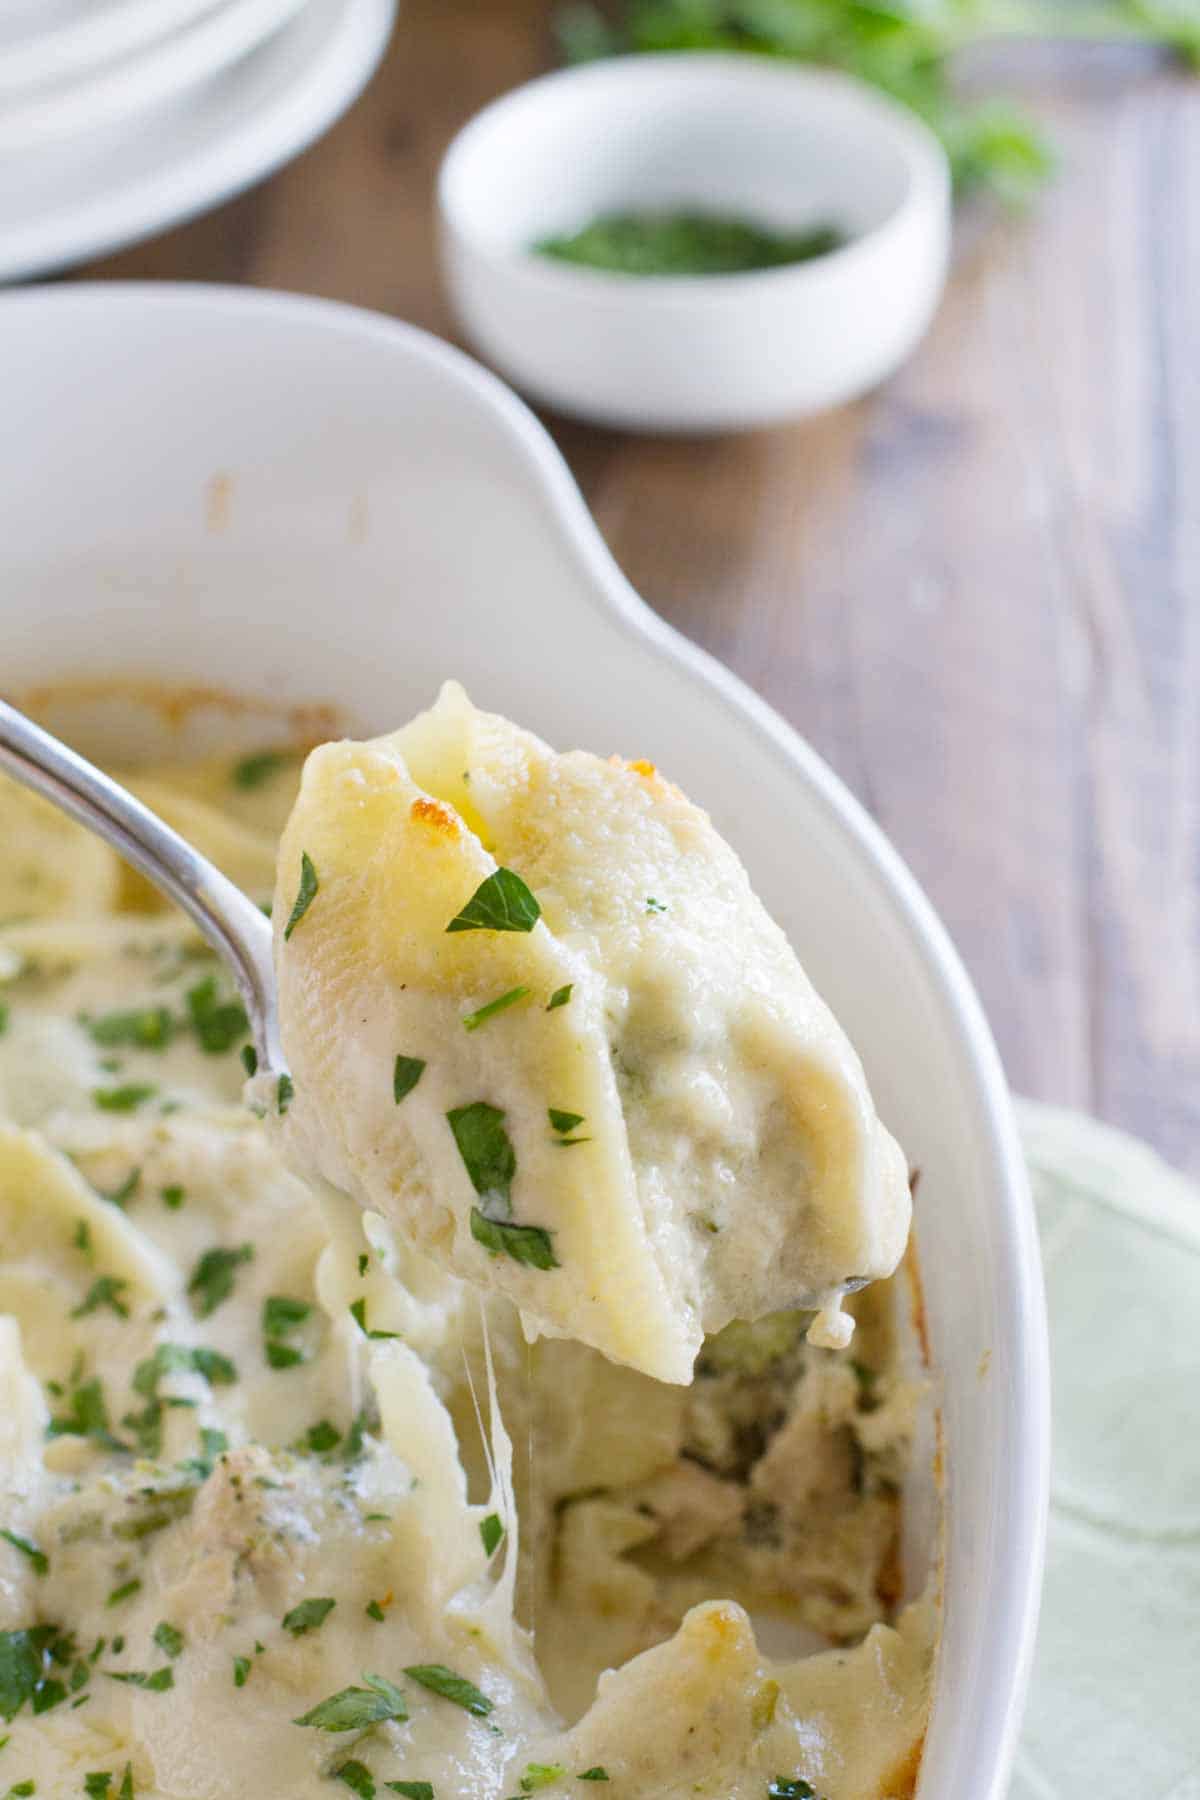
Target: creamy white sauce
[[221, 1459]]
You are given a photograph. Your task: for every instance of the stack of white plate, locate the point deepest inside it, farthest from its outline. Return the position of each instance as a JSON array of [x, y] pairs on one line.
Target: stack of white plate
[[119, 117]]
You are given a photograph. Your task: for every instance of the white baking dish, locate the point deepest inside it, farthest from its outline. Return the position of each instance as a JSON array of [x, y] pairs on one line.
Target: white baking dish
[[299, 501]]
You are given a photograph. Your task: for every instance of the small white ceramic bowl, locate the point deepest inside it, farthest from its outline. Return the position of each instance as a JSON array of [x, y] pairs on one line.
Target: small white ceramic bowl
[[785, 146]]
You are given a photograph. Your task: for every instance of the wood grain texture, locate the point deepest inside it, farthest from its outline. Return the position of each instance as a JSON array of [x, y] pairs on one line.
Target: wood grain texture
[[976, 592]]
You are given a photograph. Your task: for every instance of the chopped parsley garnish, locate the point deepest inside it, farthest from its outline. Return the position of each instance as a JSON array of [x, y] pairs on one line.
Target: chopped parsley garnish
[[253, 771], [212, 1279], [486, 1150], [354, 1708], [124, 1191], [306, 894], [598, 1773], [285, 1092], [82, 1240], [405, 1076], [307, 1616], [501, 903], [491, 1531], [123, 1099], [142, 1028], [352, 1448], [241, 1669], [412, 1790], [173, 1196], [374, 1611], [540, 1775], [790, 1788], [168, 1638], [250, 1059], [38, 1558], [126, 1591], [363, 1261], [358, 1778], [282, 1315], [528, 1244], [105, 1291], [169, 1359], [441, 1680], [21, 1790], [322, 1437], [560, 996], [564, 1121], [358, 1312], [87, 1418], [472, 1021], [218, 1024], [156, 1683], [97, 1784], [653, 905]]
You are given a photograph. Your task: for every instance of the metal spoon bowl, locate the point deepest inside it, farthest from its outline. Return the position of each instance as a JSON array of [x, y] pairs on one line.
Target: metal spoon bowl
[[235, 927]]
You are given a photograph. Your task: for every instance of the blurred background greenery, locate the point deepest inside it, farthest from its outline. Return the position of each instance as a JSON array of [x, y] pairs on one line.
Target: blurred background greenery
[[912, 49]]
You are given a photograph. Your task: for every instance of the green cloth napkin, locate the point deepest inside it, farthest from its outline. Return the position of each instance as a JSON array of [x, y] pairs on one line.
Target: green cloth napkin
[[1114, 1705]]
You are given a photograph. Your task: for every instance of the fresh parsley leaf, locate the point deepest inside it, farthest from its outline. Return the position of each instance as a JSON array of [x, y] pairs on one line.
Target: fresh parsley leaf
[[412, 1790], [374, 1611], [172, 1197], [354, 1708], [254, 771], [358, 1312], [472, 1021], [218, 1024], [282, 1356], [405, 1076], [307, 1616], [654, 906], [123, 1099], [38, 1558], [501, 903], [358, 1778], [212, 1278], [97, 1784], [540, 1775], [285, 1093], [126, 1792], [105, 1291], [157, 1683], [282, 1314], [20, 1790], [24, 1659], [241, 1670], [82, 1240], [528, 1244], [487, 1152], [88, 1417], [250, 1059], [305, 895], [322, 1437], [142, 1028], [170, 1359], [168, 1638], [491, 1531], [564, 1121], [126, 1591], [560, 996], [597, 1773], [352, 1448], [441, 1680], [124, 1191], [789, 1788], [363, 1262]]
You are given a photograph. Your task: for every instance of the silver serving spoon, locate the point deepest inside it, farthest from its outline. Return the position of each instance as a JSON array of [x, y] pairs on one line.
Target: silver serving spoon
[[235, 927]]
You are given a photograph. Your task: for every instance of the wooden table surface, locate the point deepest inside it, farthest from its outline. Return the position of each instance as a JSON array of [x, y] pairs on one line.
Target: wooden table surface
[[977, 592]]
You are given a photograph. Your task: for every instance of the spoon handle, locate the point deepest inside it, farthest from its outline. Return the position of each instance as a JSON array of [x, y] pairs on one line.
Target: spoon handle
[[235, 927]]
